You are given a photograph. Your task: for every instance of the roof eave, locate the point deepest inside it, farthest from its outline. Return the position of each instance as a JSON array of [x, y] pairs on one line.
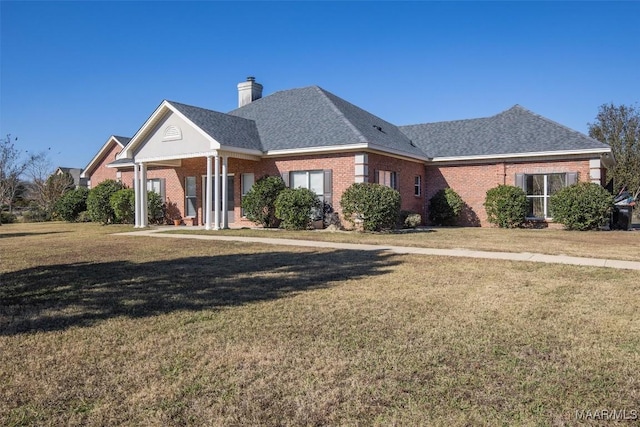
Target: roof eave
[[538, 154]]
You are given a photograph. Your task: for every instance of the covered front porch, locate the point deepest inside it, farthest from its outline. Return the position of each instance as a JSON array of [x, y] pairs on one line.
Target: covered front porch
[[204, 195]]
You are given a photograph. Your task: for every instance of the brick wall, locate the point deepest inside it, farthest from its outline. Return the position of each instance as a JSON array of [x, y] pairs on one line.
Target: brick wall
[[471, 182], [406, 172], [102, 172]]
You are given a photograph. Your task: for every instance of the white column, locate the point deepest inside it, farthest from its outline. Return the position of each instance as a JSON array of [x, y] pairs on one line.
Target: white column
[[144, 215], [225, 190], [207, 208], [216, 193], [136, 190]]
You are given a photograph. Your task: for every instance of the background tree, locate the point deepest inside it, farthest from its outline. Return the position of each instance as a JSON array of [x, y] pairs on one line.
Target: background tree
[[619, 127], [13, 164]]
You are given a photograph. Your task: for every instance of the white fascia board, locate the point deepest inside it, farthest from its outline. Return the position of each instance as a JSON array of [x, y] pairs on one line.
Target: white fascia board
[[99, 155], [398, 153], [175, 157], [238, 150], [560, 153], [214, 145], [121, 165], [126, 151], [313, 150], [343, 148], [164, 107]]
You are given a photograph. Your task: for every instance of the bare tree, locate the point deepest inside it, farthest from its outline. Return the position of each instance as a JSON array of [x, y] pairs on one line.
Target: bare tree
[[46, 188], [619, 127], [13, 164]]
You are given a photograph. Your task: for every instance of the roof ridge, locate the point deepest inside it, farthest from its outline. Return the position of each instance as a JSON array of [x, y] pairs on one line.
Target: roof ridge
[[553, 122], [335, 108]]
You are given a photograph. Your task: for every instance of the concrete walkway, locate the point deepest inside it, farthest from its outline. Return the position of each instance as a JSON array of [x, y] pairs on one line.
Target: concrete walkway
[[465, 253]]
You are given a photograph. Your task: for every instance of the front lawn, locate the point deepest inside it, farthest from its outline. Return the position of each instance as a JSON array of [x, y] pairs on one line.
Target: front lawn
[[622, 245], [97, 329]]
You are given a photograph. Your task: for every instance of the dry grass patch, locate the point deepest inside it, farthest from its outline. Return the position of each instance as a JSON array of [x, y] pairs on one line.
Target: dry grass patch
[[107, 330], [622, 245]]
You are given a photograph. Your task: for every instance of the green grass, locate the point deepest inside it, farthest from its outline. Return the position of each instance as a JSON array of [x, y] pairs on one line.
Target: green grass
[[98, 329], [621, 245]]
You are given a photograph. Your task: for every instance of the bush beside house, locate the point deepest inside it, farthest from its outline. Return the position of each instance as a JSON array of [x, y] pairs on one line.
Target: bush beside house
[[72, 203], [506, 206], [259, 202], [374, 207], [99, 201], [582, 206], [445, 207], [296, 208]]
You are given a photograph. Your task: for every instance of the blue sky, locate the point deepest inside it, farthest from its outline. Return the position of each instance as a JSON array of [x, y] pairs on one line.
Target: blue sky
[[74, 73]]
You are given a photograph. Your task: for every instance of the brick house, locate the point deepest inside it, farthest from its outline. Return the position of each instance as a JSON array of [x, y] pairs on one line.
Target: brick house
[[316, 140]]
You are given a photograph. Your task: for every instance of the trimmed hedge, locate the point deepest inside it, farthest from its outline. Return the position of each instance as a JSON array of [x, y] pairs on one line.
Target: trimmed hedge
[[506, 206], [374, 206], [445, 207], [295, 207], [259, 202], [582, 206], [99, 203], [123, 203], [72, 203]]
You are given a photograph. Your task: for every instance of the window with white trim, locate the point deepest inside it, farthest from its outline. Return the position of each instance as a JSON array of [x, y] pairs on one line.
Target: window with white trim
[[417, 185], [248, 179], [388, 178], [157, 186], [318, 181], [190, 206], [539, 189]]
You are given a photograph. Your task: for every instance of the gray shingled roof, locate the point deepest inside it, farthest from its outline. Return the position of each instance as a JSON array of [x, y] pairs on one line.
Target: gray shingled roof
[[312, 117], [228, 130], [514, 131], [122, 139]]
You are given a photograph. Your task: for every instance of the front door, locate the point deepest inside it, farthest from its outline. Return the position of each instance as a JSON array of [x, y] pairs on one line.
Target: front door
[[230, 199]]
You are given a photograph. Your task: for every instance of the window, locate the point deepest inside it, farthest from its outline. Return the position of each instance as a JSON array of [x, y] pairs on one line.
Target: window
[[318, 181], [388, 178], [157, 186], [540, 187], [190, 196], [248, 180], [417, 185]]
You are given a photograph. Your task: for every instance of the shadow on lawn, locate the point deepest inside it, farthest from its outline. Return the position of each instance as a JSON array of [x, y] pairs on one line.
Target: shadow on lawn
[[27, 234], [57, 297]]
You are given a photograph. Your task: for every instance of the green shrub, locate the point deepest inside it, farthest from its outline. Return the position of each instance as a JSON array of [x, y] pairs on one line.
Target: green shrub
[[506, 206], [7, 217], [445, 207], [374, 206], [296, 207], [155, 208], [582, 206], [35, 214], [98, 201], [259, 202], [123, 204], [409, 219], [72, 203]]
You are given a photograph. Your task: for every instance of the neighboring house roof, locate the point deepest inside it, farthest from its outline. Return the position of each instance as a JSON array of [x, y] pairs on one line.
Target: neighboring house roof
[[228, 130], [121, 141], [312, 118], [75, 174], [514, 131]]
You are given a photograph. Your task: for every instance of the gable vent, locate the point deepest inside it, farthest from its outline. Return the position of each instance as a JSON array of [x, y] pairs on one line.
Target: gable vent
[[171, 133]]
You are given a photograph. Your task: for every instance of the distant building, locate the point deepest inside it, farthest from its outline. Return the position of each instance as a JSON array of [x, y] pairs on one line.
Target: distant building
[[75, 173]]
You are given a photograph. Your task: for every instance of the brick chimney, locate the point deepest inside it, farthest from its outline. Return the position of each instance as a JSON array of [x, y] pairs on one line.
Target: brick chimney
[[249, 91]]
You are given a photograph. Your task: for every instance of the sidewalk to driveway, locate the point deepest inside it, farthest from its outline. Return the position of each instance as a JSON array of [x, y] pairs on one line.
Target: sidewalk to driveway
[[465, 253]]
